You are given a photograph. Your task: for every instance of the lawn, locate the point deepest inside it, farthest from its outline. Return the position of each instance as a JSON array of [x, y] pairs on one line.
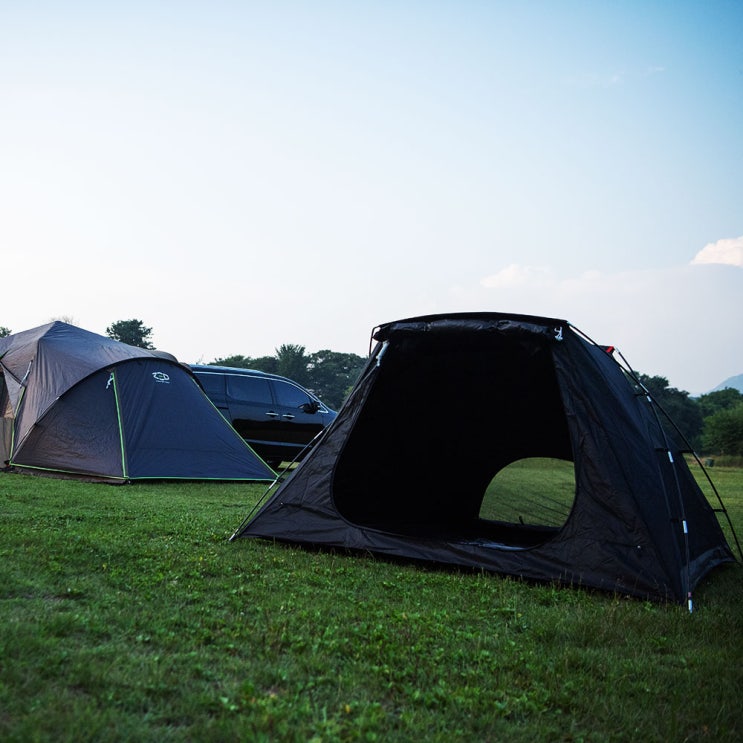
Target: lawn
[[127, 615]]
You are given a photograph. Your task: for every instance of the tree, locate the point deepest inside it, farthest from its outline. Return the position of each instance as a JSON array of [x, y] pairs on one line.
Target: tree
[[714, 402], [331, 375], [237, 361], [262, 363], [4, 331], [132, 332], [268, 364], [723, 431], [292, 362], [683, 410]]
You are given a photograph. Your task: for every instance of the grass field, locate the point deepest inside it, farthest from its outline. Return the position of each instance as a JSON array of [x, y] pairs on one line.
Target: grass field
[[127, 615]]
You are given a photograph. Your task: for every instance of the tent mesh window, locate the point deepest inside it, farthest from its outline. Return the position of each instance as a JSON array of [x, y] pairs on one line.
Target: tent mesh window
[[443, 417]]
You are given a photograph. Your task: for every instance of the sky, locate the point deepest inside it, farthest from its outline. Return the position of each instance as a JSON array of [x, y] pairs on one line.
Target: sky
[[243, 175]]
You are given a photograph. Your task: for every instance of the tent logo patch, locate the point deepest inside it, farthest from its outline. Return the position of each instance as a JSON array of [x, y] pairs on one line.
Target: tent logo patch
[[161, 377]]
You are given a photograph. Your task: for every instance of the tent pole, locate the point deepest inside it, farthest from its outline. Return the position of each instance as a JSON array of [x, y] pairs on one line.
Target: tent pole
[[722, 508], [279, 479]]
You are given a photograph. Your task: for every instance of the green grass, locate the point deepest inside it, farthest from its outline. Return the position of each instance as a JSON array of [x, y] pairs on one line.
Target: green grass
[[532, 491], [126, 615]]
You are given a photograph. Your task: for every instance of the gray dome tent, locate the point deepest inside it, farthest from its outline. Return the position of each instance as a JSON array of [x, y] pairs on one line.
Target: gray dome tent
[[77, 404], [445, 404]]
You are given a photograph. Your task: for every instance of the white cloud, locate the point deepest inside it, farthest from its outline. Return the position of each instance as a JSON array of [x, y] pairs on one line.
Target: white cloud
[[728, 251]]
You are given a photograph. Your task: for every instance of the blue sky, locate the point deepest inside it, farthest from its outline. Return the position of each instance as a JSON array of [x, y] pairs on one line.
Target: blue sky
[[239, 175]]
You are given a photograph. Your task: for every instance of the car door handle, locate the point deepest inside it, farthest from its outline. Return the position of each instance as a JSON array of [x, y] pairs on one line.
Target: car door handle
[[272, 414], [288, 415]]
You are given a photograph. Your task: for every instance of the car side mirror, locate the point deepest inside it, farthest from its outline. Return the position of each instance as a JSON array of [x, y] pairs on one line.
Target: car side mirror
[[310, 407]]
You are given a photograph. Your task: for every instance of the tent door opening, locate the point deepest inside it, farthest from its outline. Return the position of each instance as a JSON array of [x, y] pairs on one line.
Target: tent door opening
[[438, 424]]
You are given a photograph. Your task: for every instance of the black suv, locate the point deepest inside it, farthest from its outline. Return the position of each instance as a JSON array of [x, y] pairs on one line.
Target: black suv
[[275, 415]]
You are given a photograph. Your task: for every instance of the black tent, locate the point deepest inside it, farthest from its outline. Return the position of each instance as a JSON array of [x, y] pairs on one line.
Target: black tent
[[74, 403], [448, 403]]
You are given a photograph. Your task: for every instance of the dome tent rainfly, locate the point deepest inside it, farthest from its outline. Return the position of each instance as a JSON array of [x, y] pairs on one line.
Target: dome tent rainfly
[[82, 405], [444, 404]]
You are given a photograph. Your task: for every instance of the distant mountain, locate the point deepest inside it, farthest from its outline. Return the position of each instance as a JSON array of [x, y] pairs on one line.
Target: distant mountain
[[734, 382]]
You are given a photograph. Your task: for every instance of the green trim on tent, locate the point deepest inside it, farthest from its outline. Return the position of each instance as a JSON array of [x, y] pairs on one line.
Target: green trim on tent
[[120, 423]]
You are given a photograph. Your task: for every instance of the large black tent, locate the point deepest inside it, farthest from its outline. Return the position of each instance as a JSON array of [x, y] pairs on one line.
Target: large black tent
[[446, 404], [74, 403]]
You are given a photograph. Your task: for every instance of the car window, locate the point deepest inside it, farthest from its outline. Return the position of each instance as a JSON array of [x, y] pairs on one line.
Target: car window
[[289, 395], [249, 389], [212, 383]]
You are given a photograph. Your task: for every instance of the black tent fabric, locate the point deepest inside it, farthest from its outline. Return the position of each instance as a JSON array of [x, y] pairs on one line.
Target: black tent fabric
[[79, 404], [445, 403]]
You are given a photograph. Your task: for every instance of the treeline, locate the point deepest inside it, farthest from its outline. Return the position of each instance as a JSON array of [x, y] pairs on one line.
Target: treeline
[[711, 423]]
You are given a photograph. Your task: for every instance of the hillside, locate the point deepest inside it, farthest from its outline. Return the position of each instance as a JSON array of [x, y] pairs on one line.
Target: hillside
[[734, 382]]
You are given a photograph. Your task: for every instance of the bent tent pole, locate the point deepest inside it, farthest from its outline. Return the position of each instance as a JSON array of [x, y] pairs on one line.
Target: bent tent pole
[[280, 477], [722, 508], [655, 407], [625, 366]]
